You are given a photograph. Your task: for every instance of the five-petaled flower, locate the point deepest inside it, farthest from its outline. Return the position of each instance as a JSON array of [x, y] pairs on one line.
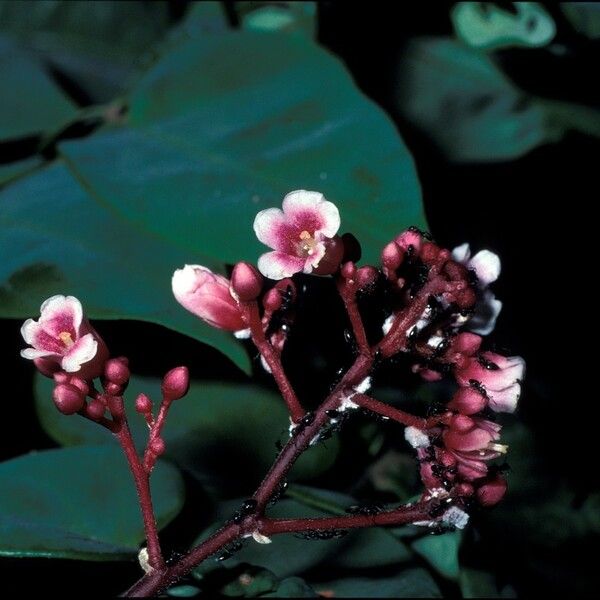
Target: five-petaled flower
[[300, 234], [64, 338]]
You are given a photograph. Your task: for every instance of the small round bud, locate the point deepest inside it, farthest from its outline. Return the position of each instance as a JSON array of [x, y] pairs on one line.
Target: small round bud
[[464, 489], [95, 410], [352, 249], [462, 423], [455, 271], [392, 256], [348, 270], [61, 377], [429, 252], [143, 404], [272, 300], [334, 252], [176, 383], [366, 276], [48, 368], [157, 446], [447, 459], [468, 401], [115, 406], [466, 343], [466, 298], [117, 371], [79, 384], [113, 389], [246, 281], [68, 399], [491, 492]]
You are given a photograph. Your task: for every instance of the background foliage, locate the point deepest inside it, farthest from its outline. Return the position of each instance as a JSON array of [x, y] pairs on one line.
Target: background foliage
[[139, 136]]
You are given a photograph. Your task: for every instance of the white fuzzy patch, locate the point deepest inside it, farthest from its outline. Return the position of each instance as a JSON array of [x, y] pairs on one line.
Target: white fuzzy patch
[[417, 438], [424, 523], [347, 404], [260, 538], [434, 341], [265, 364], [455, 516], [292, 427], [364, 386], [242, 334], [387, 324], [436, 493], [143, 559]]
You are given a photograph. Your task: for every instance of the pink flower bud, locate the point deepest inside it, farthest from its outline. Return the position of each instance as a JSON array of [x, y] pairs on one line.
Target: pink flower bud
[[117, 371], [392, 256], [95, 410], [411, 237], [429, 253], [79, 384], [491, 492], [68, 399], [47, 367], [366, 276], [246, 281], [143, 404], [176, 383], [462, 423], [272, 300], [468, 401], [157, 446], [348, 270], [334, 252], [113, 389], [207, 295], [466, 343], [115, 406]]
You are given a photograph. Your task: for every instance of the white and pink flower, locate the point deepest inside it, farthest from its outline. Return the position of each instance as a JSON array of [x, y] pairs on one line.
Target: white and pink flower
[[486, 265], [501, 376], [208, 296], [301, 235], [64, 338]]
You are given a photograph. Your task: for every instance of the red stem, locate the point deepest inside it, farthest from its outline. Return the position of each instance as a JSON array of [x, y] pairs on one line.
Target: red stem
[[348, 294], [155, 430], [141, 479], [273, 360]]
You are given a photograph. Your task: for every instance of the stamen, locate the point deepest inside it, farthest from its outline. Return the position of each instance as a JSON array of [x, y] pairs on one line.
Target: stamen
[[307, 246], [66, 339], [502, 448]]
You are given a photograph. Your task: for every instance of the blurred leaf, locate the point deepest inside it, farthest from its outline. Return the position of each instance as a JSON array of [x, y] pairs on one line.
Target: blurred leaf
[[224, 434], [183, 591], [486, 25], [55, 239], [441, 552], [584, 17], [79, 503], [409, 583], [292, 587], [214, 138], [481, 584], [289, 554], [31, 101], [99, 45], [11, 171], [465, 104]]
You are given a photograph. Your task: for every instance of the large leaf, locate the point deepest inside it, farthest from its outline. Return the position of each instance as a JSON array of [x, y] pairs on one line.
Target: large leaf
[[79, 503], [224, 434], [289, 554], [100, 45], [224, 125], [584, 17], [31, 101], [441, 552], [408, 583], [55, 239]]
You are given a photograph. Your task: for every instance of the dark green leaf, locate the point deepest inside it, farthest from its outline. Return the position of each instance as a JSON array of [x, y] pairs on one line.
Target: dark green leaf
[[79, 503], [441, 552], [11, 171], [481, 584], [55, 239], [224, 434], [213, 139], [292, 587], [584, 17], [409, 583], [31, 101], [465, 104], [100, 45]]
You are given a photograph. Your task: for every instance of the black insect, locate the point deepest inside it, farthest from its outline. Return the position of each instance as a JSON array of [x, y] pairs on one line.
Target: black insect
[[287, 297], [278, 493], [229, 551], [477, 385], [307, 419], [332, 414], [366, 509], [247, 508], [437, 510], [487, 364], [472, 278], [441, 348], [322, 534]]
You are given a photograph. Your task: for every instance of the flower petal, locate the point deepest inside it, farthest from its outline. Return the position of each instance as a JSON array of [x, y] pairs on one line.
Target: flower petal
[[32, 353], [310, 211], [273, 229], [462, 253], [279, 265], [61, 314], [505, 400], [81, 352], [487, 266], [486, 313], [28, 331]]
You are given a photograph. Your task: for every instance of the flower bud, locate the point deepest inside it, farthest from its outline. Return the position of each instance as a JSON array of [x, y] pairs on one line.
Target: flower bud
[[491, 492], [143, 404], [176, 383], [429, 253], [366, 276], [272, 300], [468, 401], [116, 370], [67, 398], [95, 410], [157, 446], [113, 389], [47, 367], [246, 281], [207, 295], [334, 252], [411, 237], [392, 256], [352, 249], [348, 270], [79, 384]]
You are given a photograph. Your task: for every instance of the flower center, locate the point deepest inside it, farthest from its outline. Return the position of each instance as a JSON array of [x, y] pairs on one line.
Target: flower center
[[307, 243], [66, 339], [501, 448]]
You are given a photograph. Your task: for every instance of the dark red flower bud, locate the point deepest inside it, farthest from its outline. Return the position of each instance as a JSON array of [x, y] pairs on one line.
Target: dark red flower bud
[[113, 389], [143, 404], [468, 401], [95, 410], [352, 249], [334, 252], [392, 256], [429, 253], [47, 367], [157, 446], [348, 270], [246, 281], [366, 276], [491, 492], [176, 383], [272, 300], [116, 370], [67, 398]]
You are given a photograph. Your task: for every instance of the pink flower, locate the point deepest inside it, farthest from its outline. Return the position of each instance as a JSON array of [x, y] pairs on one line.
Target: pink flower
[[208, 296], [486, 265], [300, 234], [64, 338], [501, 377], [473, 442]]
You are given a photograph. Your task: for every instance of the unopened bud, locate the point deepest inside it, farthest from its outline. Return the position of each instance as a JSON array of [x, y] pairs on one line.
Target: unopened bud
[[176, 383], [246, 281], [348, 270], [491, 492], [392, 256], [157, 446], [67, 398], [468, 401], [48, 368], [272, 300], [429, 253], [116, 370], [462, 423], [95, 410], [334, 252], [80, 384], [113, 389], [352, 249], [465, 298], [366, 276], [143, 404]]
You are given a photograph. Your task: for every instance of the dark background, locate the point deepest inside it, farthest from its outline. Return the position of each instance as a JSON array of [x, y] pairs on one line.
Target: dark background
[[535, 212]]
